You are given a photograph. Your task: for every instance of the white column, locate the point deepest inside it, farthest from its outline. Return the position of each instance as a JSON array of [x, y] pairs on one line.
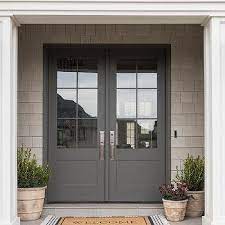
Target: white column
[[8, 122], [214, 47]]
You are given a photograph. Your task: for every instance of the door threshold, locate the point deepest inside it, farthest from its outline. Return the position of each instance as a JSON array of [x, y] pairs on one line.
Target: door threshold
[[103, 205], [103, 209]]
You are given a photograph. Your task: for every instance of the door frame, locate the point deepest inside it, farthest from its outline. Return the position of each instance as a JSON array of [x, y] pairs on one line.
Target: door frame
[[167, 119]]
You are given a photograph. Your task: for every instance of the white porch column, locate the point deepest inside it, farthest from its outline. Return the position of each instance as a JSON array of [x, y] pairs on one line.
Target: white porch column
[[214, 38], [8, 122]]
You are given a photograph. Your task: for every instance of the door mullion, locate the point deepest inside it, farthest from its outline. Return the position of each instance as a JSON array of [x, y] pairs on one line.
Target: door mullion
[[107, 120]]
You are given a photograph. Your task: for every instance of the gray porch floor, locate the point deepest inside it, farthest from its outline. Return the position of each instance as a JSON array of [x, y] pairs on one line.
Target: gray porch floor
[[187, 221]]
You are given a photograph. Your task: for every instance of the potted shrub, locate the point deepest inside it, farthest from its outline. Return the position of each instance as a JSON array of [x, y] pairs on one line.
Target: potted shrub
[[193, 176], [32, 182], [175, 200]]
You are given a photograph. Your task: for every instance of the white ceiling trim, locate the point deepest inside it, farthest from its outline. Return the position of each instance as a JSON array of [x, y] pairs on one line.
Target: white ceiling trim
[[112, 11], [112, 1]]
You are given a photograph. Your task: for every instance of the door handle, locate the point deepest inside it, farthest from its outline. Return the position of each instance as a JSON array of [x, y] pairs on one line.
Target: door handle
[[112, 145], [101, 145]]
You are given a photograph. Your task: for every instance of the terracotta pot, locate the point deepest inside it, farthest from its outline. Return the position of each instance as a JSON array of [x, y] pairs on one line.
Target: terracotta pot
[[30, 202], [196, 202], [175, 210]]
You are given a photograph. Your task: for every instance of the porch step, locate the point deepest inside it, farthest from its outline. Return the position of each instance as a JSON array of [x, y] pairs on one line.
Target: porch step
[[89, 210]]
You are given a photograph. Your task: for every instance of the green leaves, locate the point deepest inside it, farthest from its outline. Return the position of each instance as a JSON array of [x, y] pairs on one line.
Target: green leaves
[[29, 173], [192, 174]]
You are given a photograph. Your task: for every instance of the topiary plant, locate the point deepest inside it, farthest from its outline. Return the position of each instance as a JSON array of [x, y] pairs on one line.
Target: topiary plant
[[193, 173], [29, 173]]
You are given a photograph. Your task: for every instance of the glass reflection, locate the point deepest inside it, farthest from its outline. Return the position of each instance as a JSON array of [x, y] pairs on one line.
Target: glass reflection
[[126, 103], [87, 133], [87, 73], [66, 79], [66, 133], [66, 103], [126, 134], [87, 100], [147, 133], [147, 103], [126, 80], [87, 80], [147, 80]]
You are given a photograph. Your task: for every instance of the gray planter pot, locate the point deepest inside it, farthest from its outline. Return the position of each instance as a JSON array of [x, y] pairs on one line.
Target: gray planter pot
[[30, 202], [196, 203], [175, 210]]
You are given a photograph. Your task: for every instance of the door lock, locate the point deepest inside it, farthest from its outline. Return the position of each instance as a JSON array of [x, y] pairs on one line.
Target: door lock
[[101, 145], [112, 145]]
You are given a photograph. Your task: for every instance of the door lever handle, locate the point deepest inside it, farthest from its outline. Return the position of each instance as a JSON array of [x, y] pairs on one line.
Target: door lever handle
[[101, 145], [112, 145]]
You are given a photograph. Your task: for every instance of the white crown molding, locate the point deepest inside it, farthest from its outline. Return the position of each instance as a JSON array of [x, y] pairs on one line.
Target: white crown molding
[[126, 1], [114, 11], [145, 11]]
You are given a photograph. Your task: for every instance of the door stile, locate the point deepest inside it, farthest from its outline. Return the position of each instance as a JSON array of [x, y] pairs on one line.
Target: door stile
[[111, 118], [52, 126], [107, 122], [161, 107], [102, 116]]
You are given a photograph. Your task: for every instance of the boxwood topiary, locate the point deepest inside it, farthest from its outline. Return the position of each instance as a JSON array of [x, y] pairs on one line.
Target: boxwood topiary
[[30, 173], [193, 173]]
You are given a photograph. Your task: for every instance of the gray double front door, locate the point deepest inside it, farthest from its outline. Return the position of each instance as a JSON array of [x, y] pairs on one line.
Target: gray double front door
[[106, 123]]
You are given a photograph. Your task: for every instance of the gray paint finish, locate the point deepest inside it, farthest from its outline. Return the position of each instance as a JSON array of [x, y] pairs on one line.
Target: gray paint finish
[[78, 174], [134, 175]]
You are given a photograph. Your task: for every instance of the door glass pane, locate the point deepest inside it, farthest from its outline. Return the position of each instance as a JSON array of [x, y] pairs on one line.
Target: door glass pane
[[147, 103], [66, 79], [126, 134], [147, 73], [87, 103], [126, 74], [66, 103], [87, 73], [77, 94], [147, 133], [87, 79], [87, 133], [126, 103], [137, 98], [147, 80], [126, 80], [66, 133]]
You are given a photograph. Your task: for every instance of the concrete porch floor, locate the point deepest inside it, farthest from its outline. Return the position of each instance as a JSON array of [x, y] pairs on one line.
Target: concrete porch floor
[[187, 221]]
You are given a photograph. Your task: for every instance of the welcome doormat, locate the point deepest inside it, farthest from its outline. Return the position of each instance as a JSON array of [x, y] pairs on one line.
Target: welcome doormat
[[140, 220]]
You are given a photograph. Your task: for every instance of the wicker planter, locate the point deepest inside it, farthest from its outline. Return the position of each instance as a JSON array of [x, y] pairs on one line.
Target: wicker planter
[[30, 202], [196, 202], [175, 210]]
